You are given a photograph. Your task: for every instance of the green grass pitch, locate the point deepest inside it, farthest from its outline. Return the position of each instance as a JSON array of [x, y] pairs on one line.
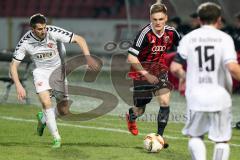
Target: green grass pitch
[[104, 138]]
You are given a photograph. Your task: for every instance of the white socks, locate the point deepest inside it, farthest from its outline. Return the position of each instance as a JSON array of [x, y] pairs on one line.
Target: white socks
[[43, 120], [221, 151], [197, 149], [51, 122], [56, 112]]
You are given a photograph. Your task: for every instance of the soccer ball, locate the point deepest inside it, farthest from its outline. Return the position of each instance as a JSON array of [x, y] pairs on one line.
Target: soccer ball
[[153, 142]]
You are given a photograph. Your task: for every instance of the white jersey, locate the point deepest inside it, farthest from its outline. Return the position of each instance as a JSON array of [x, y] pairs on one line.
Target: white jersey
[[208, 83], [45, 53]]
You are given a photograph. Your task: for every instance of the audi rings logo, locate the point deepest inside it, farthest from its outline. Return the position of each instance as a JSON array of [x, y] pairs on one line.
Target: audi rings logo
[[158, 48]]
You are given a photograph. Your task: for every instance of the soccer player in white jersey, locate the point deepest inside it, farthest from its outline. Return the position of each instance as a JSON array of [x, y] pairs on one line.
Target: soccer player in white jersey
[[211, 60], [41, 44]]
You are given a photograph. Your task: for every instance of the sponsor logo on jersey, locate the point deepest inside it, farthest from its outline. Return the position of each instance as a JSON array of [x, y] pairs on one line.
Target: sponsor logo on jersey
[[50, 45], [166, 39], [39, 84], [158, 49], [45, 55]]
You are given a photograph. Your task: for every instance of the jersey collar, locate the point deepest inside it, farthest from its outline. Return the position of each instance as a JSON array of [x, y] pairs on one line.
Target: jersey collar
[[158, 35], [36, 38], [208, 26]]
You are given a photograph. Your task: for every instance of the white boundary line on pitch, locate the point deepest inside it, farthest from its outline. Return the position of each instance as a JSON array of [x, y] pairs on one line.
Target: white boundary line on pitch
[[97, 128]]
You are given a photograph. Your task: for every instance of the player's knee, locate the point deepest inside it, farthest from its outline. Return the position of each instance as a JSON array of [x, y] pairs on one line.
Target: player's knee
[[139, 110], [63, 112], [164, 102], [46, 104], [63, 107]]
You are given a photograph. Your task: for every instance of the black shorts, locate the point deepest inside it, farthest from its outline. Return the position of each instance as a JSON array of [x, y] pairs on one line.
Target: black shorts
[[143, 91]]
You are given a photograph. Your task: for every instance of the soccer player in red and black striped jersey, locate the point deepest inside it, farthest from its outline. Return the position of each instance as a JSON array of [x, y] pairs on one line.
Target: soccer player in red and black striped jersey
[[149, 69]]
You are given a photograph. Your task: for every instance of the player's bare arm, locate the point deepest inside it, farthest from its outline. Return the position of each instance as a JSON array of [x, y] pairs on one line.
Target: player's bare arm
[[21, 93], [137, 65], [178, 71], [234, 69], [83, 45]]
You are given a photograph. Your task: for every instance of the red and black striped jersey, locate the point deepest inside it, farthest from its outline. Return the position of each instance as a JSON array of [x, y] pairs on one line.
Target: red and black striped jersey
[[151, 48]]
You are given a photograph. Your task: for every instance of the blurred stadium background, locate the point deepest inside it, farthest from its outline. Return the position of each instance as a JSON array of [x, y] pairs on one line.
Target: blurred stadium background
[[109, 27], [99, 21]]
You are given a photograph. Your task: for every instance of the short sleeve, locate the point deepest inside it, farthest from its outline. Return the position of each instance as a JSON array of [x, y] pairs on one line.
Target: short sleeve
[[182, 48], [60, 34], [176, 38], [140, 42], [20, 51], [229, 53]]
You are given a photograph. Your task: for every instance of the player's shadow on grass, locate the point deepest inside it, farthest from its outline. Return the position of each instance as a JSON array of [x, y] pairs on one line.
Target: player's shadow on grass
[[88, 144], [138, 148], [14, 144], [9, 144], [68, 153]]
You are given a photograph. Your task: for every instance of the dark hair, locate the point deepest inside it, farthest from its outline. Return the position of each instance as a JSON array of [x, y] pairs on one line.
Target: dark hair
[[176, 20], [37, 18], [158, 7], [209, 12], [237, 15], [194, 15]]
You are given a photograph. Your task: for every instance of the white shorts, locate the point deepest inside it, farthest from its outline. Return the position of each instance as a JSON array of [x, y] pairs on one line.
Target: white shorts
[[47, 79], [217, 124]]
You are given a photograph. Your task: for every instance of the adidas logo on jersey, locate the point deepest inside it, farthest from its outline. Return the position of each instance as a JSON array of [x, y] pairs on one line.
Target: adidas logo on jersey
[[153, 41]]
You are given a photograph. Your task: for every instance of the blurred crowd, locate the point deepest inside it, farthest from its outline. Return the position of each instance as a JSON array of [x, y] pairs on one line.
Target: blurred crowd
[[232, 30]]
